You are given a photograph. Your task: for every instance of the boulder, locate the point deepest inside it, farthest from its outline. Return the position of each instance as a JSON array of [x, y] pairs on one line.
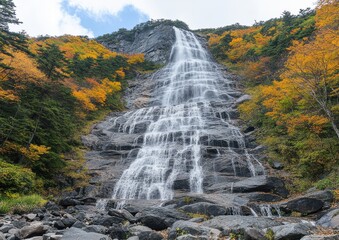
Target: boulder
[[184, 200], [124, 214], [95, 228], [160, 218], [325, 196], [107, 220], [35, 229], [118, 232], [30, 216], [331, 219], [6, 227], [262, 197], [76, 233], [228, 224], [150, 236], [2, 236], [185, 227], [261, 184], [303, 205], [208, 209], [69, 201], [321, 237], [137, 229], [292, 231], [254, 234]]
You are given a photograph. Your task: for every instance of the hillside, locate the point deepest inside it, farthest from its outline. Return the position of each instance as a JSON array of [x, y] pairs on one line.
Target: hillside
[[289, 66], [50, 90]]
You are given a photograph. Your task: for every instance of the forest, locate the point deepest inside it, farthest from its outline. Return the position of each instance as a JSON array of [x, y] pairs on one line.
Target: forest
[[52, 89], [290, 67]]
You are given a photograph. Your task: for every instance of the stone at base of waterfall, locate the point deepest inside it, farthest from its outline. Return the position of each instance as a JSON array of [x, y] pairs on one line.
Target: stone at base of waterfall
[[303, 205], [254, 234], [292, 231], [34, 229], [160, 218], [331, 219], [107, 220], [321, 237], [124, 214], [229, 224], [253, 184], [118, 231], [205, 208], [178, 202], [95, 229], [194, 229], [326, 196], [76, 233], [262, 197]]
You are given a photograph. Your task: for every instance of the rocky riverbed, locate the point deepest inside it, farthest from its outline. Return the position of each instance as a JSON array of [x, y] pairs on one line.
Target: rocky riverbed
[[245, 215]]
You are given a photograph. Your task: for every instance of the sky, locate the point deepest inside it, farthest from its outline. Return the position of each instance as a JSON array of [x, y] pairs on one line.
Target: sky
[[97, 17]]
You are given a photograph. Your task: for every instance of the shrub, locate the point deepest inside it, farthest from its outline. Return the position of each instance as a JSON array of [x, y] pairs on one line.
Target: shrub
[[14, 179]]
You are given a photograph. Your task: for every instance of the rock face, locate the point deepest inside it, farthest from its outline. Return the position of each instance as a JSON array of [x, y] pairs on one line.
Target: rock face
[[153, 38]]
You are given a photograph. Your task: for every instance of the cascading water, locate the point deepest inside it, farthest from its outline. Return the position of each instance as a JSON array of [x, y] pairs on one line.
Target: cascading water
[[190, 90]]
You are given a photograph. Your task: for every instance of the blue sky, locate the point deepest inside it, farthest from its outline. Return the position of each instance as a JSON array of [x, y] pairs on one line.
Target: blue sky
[[128, 17], [97, 17]]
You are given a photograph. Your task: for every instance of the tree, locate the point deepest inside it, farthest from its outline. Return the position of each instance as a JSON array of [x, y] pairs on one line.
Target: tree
[[7, 14], [16, 41], [51, 61]]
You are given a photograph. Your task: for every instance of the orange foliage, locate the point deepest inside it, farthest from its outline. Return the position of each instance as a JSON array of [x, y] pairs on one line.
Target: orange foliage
[[24, 68], [96, 94]]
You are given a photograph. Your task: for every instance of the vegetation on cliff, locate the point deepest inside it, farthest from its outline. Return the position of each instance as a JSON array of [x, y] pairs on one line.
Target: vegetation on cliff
[[290, 68], [50, 88]]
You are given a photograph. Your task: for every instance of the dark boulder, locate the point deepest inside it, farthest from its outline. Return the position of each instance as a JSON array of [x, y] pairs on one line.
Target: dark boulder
[[303, 205], [205, 208], [159, 218]]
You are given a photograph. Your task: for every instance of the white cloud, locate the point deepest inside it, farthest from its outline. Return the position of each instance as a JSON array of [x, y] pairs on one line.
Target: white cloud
[[199, 13], [48, 17], [42, 17]]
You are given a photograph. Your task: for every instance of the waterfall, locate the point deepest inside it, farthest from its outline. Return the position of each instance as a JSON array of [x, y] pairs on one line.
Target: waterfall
[[180, 124]]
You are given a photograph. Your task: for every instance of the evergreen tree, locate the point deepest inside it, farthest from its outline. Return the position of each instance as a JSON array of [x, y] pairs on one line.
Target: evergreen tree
[[15, 40], [52, 61]]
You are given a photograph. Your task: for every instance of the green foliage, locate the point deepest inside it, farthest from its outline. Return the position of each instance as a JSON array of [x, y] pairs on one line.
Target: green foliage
[[51, 61], [269, 234], [330, 181], [20, 204], [15, 178]]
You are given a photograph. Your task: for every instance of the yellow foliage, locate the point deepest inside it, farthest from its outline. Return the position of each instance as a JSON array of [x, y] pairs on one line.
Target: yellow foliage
[[135, 58], [24, 68], [96, 94], [72, 45], [120, 73]]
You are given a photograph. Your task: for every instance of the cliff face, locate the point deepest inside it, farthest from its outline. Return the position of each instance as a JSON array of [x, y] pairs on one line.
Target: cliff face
[[154, 39]]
